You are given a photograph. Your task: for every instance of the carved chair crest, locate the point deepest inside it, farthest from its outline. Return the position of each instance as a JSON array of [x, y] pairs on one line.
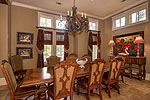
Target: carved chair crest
[[64, 75]]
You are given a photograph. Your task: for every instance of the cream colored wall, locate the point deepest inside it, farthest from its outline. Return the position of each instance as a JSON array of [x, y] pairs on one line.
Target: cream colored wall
[[24, 20], [3, 34], [71, 44], [108, 34], [81, 41]]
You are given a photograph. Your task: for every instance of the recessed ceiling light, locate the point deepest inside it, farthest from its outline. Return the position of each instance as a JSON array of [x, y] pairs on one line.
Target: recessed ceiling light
[[92, 0], [58, 3]]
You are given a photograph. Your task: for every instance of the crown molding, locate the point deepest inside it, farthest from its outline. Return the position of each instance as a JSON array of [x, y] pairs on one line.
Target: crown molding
[[36, 8], [90, 15], [126, 8], [50, 11]]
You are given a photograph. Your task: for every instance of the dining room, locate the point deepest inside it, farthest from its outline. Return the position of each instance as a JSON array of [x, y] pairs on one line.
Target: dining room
[[72, 49]]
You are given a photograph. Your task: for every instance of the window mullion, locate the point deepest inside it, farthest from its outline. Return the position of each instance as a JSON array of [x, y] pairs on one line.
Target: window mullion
[[54, 44]]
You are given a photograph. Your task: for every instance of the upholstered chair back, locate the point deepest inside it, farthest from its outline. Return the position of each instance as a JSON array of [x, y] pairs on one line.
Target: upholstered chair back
[[123, 57], [64, 75], [88, 58], [9, 76], [96, 72], [115, 68], [17, 63], [52, 61], [72, 57]]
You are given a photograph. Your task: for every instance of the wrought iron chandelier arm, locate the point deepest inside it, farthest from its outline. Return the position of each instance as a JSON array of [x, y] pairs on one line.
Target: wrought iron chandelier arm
[[76, 24]]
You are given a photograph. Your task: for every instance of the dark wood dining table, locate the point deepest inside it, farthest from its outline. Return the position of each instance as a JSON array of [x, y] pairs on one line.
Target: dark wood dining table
[[38, 76]]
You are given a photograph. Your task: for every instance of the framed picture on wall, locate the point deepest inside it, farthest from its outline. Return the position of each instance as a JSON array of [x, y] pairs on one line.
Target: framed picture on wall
[[127, 41], [24, 52], [24, 38]]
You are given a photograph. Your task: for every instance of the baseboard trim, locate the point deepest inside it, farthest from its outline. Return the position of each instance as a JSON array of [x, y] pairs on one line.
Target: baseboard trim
[[2, 81]]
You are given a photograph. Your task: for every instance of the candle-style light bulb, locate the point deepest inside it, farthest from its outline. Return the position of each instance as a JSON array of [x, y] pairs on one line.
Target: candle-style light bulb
[[82, 14], [85, 15], [61, 17], [71, 13], [68, 12]]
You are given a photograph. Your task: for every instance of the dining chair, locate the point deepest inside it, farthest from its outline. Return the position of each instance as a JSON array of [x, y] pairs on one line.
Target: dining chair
[[52, 61], [15, 91], [64, 75], [17, 65], [72, 57], [123, 67], [113, 75], [95, 78]]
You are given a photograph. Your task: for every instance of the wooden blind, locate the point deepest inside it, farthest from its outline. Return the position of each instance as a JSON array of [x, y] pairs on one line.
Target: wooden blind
[[59, 38], [94, 36], [4, 2], [48, 37]]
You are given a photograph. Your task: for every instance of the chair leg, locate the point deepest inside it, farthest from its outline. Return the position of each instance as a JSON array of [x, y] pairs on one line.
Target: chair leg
[[108, 88], [19, 77], [117, 87], [71, 97], [88, 97], [78, 89], [100, 93], [12, 98], [36, 96], [122, 77]]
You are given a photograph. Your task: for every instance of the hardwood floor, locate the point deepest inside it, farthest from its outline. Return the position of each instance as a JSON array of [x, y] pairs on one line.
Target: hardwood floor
[[132, 89]]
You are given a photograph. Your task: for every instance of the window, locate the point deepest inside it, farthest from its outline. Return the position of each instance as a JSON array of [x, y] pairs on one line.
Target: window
[[94, 53], [120, 22], [45, 21], [138, 16], [60, 24], [47, 51], [135, 15], [47, 44], [92, 26], [53, 40], [60, 51]]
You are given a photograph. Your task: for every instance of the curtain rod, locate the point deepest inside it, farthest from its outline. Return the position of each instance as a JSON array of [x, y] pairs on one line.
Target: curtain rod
[[63, 29]]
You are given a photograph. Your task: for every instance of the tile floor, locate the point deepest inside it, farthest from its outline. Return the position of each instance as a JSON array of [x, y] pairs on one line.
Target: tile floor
[[132, 89]]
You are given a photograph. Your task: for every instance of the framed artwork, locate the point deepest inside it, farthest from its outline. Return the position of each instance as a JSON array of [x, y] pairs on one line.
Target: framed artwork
[[127, 41], [24, 38], [24, 52]]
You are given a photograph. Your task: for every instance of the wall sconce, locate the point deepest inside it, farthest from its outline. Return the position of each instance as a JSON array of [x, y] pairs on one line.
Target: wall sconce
[[138, 40], [111, 43]]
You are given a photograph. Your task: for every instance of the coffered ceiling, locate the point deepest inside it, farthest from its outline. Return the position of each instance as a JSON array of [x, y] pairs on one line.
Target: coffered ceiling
[[99, 8]]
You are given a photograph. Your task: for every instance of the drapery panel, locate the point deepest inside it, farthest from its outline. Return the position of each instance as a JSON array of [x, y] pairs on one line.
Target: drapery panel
[[66, 45], [98, 45], [90, 47], [40, 48], [4, 1]]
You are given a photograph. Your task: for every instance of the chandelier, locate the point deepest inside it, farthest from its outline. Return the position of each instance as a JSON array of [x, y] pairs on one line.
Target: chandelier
[[76, 24]]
